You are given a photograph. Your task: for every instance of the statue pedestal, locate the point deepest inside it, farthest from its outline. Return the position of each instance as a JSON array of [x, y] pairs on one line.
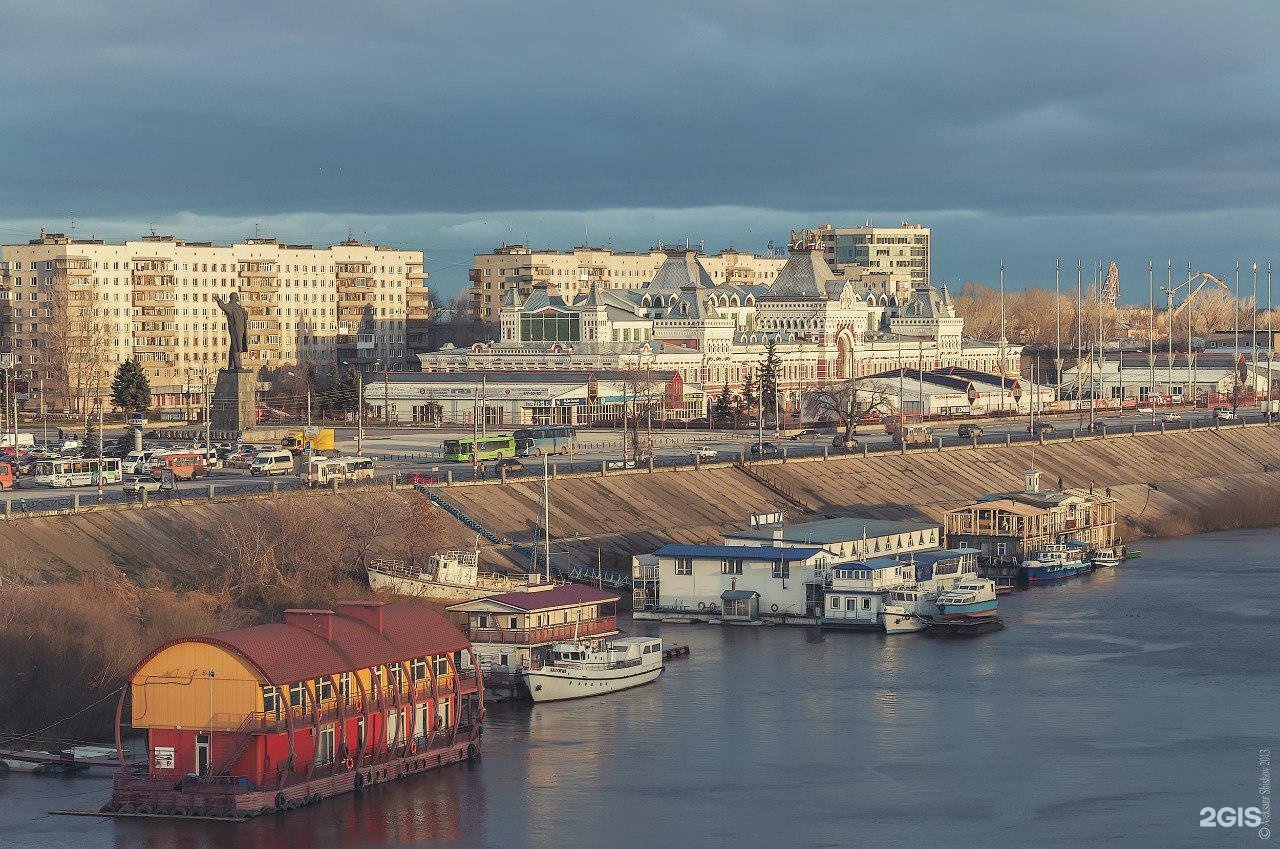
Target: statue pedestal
[[234, 404]]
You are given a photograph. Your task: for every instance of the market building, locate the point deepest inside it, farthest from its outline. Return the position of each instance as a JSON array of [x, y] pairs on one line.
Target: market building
[[715, 333], [263, 718]]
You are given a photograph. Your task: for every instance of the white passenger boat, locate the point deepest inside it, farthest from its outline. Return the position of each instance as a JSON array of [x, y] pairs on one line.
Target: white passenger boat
[[972, 598], [903, 613], [1103, 557], [576, 670]]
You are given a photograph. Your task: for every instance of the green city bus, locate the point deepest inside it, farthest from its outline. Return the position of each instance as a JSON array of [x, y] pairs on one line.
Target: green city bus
[[486, 448]]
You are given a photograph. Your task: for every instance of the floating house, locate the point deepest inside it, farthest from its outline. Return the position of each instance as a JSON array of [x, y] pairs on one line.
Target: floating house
[[786, 566], [266, 718], [1007, 527], [515, 631], [854, 593]]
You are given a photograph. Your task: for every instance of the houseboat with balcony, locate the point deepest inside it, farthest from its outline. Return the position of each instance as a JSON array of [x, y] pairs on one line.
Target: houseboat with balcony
[[1009, 528], [515, 631], [267, 718], [577, 670], [856, 593]]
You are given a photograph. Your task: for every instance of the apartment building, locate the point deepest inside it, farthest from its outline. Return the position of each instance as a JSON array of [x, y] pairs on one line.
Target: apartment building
[[72, 309], [572, 273], [901, 252]]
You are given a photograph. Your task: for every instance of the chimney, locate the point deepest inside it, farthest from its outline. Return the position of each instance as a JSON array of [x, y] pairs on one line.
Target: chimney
[[318, 622], [368, 612], [1032, 478]]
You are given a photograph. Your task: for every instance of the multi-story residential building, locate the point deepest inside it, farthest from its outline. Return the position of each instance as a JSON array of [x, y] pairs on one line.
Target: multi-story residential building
[[900, 252], [72, 309], [517, 268]]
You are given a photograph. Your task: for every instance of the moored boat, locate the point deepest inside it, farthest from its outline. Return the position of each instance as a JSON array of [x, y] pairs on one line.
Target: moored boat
[[972, 598], [1104, 557], [452, 575], [576, 670], [1054, 562]]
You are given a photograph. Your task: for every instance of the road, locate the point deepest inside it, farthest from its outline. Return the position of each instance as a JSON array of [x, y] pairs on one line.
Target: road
[[402, 451]]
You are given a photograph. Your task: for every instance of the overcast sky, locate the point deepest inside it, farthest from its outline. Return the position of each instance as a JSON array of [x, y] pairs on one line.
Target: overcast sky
[[1025, 130]]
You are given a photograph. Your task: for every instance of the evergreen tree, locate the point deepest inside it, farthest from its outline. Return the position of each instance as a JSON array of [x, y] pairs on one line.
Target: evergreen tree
[[130, 389], [724, 403], [748, 392], [769, 368], [89, 445]]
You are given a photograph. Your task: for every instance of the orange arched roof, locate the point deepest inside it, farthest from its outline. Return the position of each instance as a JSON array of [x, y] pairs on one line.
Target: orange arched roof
[[285, 653]]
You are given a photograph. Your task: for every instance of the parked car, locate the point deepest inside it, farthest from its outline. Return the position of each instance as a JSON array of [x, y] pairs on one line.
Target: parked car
[[969, 431], [1223, 414], [1041, 429], [1170, 418], [763, 449], [807, 433], [135, 484], [704, 452], [268, 463], [1147, 411]]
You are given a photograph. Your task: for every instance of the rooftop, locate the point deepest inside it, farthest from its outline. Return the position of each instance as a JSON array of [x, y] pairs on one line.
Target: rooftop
[[747, 552], [566, 595], [827, 531]]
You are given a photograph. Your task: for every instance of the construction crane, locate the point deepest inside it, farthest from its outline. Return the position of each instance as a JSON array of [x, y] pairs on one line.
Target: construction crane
[[1205, 279]]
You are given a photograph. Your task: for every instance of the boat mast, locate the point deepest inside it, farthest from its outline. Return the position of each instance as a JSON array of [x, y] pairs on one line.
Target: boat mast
[[546, 520]]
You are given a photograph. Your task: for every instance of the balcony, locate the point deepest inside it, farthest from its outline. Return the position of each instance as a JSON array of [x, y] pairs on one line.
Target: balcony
[[475, 275], [73, 267], [546, 634], [348, 270]]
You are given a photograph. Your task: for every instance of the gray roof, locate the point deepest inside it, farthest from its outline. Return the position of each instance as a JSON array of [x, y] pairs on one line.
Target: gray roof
[[678, 271], [840, 529], [805, 275]]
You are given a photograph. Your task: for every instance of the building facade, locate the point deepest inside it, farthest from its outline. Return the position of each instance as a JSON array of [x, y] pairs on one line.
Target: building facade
[[514, 631], [823, 328], [788, 567], [899, 253], [1009, 527], [254, 719], [567, 274], [72, 310]]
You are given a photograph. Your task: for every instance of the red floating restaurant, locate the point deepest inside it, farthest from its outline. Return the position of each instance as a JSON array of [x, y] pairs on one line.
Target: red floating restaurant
[[271, 717]]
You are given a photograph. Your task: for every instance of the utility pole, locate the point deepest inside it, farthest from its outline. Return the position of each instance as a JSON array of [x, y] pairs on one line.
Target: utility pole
[[1080, 343], [1057, 303], [386, 396], [208, 423], [44, 420], [1003, 340], [546, 518], [1151, 334], [359, 413], [1271, 342], [1253, 345], [308, 407], [475, 434]]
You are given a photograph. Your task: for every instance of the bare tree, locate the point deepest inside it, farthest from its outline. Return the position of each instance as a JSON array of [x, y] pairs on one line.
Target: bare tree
[[77, 346], [847, 401]]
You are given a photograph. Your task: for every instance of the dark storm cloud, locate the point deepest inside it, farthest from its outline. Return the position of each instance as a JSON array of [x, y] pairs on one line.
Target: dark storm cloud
[[1027, 129]]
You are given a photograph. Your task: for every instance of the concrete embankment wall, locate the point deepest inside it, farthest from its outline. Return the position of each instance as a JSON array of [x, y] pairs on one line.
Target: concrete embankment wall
[[637, 511], [1153, 476]]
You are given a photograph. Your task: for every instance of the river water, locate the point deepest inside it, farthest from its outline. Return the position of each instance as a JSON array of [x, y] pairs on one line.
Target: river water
[[1109, 712]]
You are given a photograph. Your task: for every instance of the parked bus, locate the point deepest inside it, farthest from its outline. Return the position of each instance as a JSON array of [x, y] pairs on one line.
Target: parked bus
[[185, 465], [486, 448], [76, 472], [551, 439]]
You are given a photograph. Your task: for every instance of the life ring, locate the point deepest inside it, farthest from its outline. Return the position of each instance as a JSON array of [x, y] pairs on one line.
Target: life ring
[[349, 763], [774, 608]]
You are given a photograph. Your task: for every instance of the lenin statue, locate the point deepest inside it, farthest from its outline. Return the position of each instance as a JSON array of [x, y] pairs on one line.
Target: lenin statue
[[238, 327]]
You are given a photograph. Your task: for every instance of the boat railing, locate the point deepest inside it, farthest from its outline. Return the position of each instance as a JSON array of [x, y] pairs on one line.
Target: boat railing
[[591, 665], [545, 633]]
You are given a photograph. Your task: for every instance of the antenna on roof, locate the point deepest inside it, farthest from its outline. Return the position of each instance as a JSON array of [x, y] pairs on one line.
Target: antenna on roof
[[153, 228]]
